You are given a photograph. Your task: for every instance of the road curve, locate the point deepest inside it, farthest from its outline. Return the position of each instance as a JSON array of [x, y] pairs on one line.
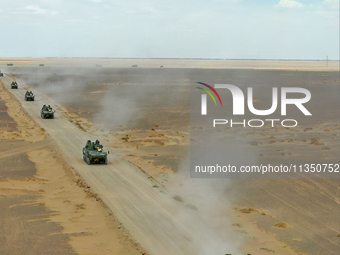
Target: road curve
[[155, 220]]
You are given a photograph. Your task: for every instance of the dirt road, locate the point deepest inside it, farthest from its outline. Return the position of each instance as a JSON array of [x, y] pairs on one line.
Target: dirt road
[[154, 219]]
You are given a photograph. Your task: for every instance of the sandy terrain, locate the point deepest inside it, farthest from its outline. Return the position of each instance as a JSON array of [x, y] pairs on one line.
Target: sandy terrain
[[285, 216], [45, 208], [154, 219]]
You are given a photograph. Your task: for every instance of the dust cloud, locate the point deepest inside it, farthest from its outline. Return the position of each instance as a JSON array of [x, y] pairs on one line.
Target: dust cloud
[[206, 213], [112, 98], [210, 198], [207, 207]]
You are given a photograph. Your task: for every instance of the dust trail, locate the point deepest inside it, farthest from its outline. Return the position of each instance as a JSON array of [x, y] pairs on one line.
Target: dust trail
[[125, 93], [211, 198], [206, 213], [208, 200]]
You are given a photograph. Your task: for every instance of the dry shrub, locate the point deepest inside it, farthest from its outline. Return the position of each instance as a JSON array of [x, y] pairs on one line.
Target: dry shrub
[[159, 143], [126, 138], [178, 198], [248, 210], [156, 135], [281, 225], [80, 206]]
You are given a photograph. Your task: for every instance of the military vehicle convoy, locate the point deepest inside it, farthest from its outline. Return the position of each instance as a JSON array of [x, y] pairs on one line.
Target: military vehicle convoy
[[29, 96], [14, 85], [47, 112], [93, 152]]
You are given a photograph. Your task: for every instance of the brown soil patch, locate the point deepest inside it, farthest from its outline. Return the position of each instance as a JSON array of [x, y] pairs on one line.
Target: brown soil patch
[[247, 210], [280, 225], [27, 128], [92, 227]]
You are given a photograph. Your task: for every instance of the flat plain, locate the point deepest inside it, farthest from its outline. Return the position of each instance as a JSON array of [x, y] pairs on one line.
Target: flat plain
[[143, 114]]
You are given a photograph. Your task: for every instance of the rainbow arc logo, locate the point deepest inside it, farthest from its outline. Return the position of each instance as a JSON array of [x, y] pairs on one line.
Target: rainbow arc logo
[[208, 92], [204, 97]]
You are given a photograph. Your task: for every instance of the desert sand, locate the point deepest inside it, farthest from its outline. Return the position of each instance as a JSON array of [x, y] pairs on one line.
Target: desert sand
[[46, 209], [285, 216]]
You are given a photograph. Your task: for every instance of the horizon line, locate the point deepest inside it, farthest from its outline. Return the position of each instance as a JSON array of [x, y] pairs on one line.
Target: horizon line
[[254, 59]]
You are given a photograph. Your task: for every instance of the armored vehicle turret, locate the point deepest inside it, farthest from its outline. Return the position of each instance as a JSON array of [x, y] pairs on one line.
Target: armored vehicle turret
[[93, 152]]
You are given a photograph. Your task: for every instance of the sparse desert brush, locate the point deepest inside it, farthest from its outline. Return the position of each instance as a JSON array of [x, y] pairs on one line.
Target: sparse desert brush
[[268, 250], [254, 143], [156, 135], [126, 138], [159, 142], [91, 194], [178, 198], [317, 143], [280, 225], [248, 210], [80, 206]]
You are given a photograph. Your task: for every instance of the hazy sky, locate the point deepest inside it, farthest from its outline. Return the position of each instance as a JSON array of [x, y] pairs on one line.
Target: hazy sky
[[230, 29]]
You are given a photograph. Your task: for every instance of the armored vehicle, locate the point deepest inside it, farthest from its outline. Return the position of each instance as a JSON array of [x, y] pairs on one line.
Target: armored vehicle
[[93, 153], [29, 96], [47, 112], [1, 74], [14, 85]]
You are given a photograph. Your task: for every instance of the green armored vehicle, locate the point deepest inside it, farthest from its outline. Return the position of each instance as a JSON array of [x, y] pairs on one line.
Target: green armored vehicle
[[47, 112], [14, 85], [93, 153], [29, 96], [1, 74]]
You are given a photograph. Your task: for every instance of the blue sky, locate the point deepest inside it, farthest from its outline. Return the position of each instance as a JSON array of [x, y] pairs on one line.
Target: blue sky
[[229, 29]]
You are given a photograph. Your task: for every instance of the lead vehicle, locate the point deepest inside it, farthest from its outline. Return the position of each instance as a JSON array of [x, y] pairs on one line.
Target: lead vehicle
[[93, 152], [47, 112]]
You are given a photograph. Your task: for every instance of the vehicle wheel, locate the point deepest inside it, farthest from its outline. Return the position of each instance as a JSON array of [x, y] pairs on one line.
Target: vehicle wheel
[[42, 116], [88, 161], [84, 157]]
